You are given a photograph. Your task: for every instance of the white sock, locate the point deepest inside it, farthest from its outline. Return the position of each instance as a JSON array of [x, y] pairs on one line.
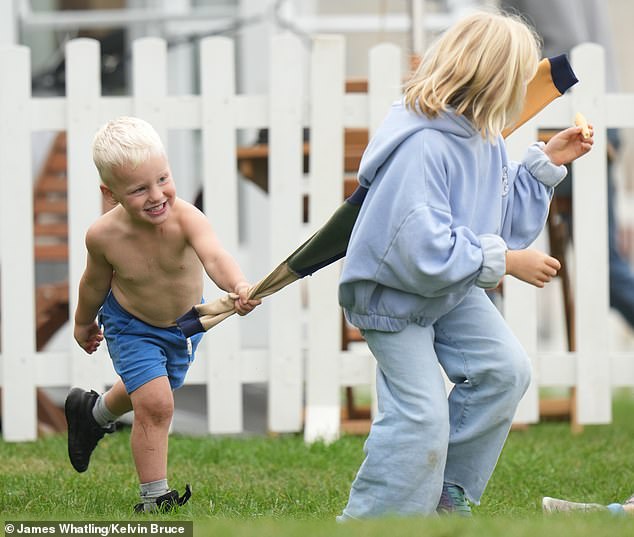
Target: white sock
[[152, 490], [101, 413]]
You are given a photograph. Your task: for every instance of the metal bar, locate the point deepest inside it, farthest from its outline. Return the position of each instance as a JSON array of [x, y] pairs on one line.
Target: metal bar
[[108, 18]]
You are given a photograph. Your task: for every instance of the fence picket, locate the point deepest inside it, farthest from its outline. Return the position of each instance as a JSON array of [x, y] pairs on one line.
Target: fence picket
[[591, 262], [520, 299], [286, 107], [323, 413], [222, 356], [384, 81], [83, 118], [16, 226], [149, 82], [384, 87]]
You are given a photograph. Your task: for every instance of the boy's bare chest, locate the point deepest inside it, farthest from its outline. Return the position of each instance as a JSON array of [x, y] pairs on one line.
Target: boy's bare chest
[[137, 259]]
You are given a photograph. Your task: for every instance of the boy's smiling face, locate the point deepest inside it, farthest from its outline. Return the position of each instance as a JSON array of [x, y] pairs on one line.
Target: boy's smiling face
[[146, 192]]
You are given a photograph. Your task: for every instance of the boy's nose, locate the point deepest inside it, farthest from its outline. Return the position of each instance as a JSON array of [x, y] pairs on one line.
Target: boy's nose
[[155, 193]]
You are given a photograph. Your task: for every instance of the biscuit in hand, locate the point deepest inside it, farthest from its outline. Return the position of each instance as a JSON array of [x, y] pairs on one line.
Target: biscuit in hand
[[581, 121]]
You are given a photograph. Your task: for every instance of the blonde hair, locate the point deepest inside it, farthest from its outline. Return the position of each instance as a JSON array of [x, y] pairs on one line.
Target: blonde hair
[[480, 67], [124, 141]]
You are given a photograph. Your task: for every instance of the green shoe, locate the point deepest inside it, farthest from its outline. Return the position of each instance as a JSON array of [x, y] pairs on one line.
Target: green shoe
[[453, 501]]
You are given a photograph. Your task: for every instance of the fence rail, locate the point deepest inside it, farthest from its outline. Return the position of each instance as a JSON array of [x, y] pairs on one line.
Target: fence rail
[[303, 363]]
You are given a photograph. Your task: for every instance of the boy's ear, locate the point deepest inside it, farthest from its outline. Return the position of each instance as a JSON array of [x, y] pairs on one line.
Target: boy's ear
[[108, 195]]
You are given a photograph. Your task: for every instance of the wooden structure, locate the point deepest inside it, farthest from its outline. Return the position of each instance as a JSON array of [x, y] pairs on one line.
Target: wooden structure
[[50, 228]]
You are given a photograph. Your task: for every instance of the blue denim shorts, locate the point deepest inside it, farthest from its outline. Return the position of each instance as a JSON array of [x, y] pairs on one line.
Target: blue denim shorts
[[141, 352]]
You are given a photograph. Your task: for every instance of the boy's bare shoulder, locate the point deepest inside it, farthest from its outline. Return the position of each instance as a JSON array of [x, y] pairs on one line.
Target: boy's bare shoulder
[[184, 207], [187, 213], [105, 227]]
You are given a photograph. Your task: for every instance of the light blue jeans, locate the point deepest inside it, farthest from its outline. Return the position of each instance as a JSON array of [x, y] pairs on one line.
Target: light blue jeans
[[419, 437]]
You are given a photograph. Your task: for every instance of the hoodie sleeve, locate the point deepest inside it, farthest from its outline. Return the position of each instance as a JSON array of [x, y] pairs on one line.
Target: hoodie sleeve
[[531, 184]]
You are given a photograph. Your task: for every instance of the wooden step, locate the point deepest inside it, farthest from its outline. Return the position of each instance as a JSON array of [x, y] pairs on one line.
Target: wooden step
[[50, 206], [57, 230], [355, 137], [350, 184], [51, 307], [52, 184], [352, 157], [60, 142], [44, 206], [51, 293], [56, 163], [51, 252], [357, 85]]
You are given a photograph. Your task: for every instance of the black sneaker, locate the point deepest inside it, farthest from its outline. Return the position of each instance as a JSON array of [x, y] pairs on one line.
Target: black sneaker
[[83, 431], [165, 503]]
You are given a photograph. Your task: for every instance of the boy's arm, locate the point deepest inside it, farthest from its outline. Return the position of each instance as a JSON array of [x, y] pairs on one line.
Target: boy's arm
[[219, 265], [93, 288]]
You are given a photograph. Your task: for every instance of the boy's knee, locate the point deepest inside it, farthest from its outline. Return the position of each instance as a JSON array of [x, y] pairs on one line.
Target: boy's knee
[[154, 412], [154, 407]]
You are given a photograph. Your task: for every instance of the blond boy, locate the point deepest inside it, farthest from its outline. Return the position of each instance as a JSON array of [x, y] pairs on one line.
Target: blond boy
[[145, 259]]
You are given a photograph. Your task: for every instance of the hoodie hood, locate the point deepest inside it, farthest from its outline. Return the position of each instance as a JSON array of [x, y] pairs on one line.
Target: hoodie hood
[[398, 126]]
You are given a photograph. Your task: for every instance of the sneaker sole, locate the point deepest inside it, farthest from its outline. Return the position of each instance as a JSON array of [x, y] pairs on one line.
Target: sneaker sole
[[555, 505]]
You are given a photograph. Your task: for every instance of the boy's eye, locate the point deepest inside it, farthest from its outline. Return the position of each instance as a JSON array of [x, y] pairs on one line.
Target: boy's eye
[[163, 179]]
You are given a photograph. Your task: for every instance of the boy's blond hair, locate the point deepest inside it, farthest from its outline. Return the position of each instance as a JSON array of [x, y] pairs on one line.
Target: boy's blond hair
[[124, 141], [480, 67]]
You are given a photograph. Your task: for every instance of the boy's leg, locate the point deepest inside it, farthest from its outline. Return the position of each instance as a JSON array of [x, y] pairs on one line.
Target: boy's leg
[[89, 418], [117, 399], [153, 405], [491, 372], [405, 451]]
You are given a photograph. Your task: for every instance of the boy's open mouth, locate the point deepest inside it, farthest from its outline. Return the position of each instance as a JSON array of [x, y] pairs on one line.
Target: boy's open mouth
[[157, 209]]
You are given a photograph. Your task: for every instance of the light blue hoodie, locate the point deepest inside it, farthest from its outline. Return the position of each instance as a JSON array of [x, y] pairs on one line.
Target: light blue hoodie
[[443, 207]]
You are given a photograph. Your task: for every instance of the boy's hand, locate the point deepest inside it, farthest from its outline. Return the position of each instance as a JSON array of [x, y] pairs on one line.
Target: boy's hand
[[89, 336], [568, 145], [531, 266], [242, 303]]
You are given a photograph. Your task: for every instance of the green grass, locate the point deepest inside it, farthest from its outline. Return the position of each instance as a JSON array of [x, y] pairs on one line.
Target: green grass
[[280, 486]]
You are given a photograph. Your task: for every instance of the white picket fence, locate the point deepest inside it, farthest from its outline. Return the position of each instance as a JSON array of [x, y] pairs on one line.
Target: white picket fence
[[302, 363]]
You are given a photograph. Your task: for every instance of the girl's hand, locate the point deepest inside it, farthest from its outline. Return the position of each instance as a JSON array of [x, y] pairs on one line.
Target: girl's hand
[[568, 145], [531, 266], [89, 336]]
